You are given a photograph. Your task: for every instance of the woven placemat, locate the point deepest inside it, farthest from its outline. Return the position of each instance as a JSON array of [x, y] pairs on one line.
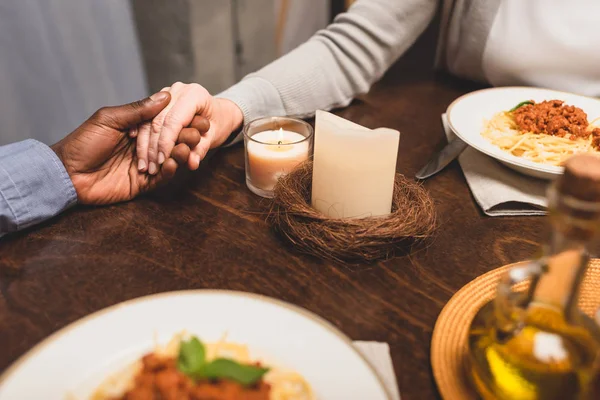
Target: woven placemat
[[449, 341]]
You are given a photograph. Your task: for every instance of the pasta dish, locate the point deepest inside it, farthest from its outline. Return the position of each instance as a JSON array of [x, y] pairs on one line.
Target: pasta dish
[[190, 369], [548, 132]]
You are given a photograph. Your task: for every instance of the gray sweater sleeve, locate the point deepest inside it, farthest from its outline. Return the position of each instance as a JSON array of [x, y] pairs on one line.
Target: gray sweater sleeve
[[337, 63]]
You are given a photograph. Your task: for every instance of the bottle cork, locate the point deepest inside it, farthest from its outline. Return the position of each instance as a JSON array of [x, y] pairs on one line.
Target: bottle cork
[[581, 178]]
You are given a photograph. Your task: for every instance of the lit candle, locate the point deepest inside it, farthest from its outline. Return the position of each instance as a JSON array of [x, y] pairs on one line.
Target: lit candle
[[273, 153], [354, 168]]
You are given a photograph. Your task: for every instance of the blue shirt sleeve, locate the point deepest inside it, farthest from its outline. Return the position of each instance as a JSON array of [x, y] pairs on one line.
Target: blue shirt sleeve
[[34, 185]]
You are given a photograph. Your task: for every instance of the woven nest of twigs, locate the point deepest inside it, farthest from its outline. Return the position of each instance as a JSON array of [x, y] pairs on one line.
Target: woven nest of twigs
[[412, 220]]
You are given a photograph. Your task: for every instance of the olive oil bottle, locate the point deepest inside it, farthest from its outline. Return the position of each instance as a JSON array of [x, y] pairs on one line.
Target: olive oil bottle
[[537, 344]]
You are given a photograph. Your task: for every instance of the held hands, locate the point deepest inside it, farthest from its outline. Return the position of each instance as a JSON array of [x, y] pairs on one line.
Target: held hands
[[100, 157], [190, 103], [108, 156]]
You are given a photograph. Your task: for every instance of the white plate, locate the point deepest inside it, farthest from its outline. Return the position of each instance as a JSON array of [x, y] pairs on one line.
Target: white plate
[[75, 360], [466, 116]]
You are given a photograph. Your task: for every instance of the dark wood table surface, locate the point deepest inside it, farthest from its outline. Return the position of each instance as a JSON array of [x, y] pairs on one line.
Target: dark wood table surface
[[210, 233]]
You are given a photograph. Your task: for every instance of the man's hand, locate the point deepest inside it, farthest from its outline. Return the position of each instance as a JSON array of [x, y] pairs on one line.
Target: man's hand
[[99, 156], [188, 102]]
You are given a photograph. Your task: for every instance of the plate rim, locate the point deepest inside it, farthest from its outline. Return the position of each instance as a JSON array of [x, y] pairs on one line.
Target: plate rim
[[32, 352], [530, 165]]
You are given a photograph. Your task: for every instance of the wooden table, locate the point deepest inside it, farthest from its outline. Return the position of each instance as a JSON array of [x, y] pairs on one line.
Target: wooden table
[[211, 234]]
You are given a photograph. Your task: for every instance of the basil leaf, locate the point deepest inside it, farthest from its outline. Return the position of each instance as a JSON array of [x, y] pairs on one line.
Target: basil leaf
[[222, 368], [521, 104], [192, 357]]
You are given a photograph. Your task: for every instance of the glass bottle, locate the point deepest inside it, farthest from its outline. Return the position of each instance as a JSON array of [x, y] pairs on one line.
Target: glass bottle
[[537, 344]]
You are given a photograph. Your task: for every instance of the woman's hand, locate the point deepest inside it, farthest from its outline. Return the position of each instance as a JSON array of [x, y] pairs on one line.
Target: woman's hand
[[188, 102]]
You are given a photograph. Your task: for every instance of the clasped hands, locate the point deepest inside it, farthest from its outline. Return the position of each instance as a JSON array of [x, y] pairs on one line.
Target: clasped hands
[[123, 151]]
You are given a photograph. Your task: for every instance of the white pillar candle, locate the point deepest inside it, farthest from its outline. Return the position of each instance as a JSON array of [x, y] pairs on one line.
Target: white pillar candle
[[354, 168], [271, 154]]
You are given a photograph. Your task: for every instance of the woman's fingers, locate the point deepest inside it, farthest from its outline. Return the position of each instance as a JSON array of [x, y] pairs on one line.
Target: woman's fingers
[[191, 101], [143, 133], [202, 126], [200, 150], [155, 141], [153, 157], [143, 139]]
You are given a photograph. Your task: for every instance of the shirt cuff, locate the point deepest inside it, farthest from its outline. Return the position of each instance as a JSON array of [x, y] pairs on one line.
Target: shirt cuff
[[257, 98], [34, 185]]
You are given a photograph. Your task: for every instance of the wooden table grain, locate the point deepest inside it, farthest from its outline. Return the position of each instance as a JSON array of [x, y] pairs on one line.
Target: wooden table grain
[[209, 232]]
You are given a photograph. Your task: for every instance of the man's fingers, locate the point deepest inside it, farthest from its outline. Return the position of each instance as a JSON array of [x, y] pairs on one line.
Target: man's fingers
[[190, 137], [200, 123], [128, 115], [168, 169], [143, 138], [164, 175], [181, 153]]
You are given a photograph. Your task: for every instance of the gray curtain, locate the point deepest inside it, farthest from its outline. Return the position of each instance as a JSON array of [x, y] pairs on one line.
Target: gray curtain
[[211, 42], [217, 42], [60, 60]]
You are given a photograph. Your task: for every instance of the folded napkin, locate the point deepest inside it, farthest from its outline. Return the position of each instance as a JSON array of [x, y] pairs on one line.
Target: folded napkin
[[497, 189], [378, 355]]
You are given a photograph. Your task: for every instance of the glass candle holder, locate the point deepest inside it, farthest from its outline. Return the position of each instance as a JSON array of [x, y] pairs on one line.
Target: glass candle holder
[[274, 146]]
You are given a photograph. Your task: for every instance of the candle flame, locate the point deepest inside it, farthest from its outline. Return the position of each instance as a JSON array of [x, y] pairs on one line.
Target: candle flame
[[280, 136]]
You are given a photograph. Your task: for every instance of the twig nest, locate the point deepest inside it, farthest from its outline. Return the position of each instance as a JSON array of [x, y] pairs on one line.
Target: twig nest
[[413, 219]]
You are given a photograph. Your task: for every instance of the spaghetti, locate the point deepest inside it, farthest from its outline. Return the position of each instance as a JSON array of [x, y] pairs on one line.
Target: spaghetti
[[275, 384], [547, 132]]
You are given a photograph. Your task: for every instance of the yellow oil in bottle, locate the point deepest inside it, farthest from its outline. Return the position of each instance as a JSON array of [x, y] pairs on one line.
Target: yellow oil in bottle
[[537, 344], [547, 358]]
